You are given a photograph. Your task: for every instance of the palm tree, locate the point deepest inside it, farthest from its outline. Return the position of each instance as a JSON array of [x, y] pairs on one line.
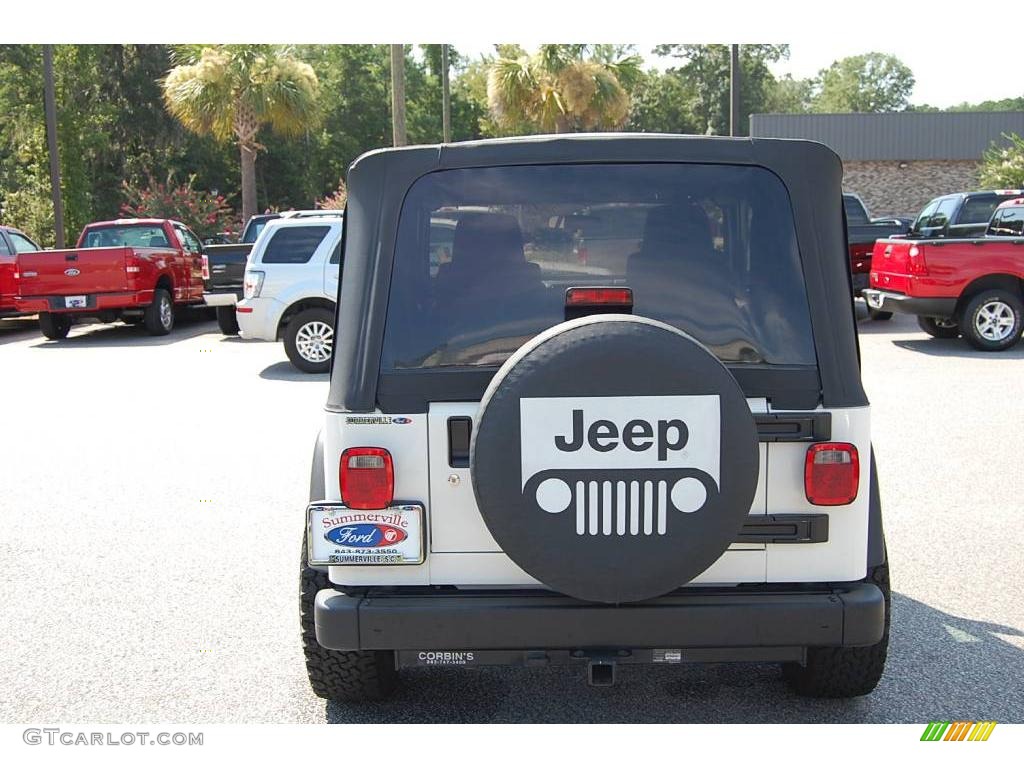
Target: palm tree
[[231, 91], [560, 89]]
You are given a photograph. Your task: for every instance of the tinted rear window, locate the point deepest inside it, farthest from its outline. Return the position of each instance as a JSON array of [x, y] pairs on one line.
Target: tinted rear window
[[979, 209], [855, 212], [293, 245], [485, 255]]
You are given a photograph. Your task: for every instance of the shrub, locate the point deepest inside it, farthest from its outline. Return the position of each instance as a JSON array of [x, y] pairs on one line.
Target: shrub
[[336, 200], [1003, 166], [204, 212]]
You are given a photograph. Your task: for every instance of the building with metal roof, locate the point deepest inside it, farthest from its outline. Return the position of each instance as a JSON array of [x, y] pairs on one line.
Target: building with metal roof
[[898, 161]]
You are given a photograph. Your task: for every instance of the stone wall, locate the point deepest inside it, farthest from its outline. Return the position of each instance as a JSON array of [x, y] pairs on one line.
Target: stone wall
[[892, 188]]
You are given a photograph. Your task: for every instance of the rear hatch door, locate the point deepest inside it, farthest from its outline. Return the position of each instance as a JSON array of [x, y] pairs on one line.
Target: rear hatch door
[[73, 271]]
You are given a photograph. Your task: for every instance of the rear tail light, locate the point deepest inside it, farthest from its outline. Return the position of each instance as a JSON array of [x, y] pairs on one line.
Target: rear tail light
[[367, 478], [831, 474], [206, 267], [916, 265], [252, 284]]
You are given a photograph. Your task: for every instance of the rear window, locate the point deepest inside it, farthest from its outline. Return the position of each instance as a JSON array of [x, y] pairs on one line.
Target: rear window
[[293, 245], [132, 235], [485, 255], [855, 211], [979, 209]]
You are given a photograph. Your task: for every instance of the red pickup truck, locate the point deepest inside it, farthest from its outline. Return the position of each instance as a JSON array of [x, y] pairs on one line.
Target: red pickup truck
[[135, 270], [972, 287]]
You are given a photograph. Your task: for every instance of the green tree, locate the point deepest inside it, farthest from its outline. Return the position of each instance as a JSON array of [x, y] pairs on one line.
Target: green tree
[[705, 72], [662, 103], [559, 89], [231, 91], [788, 95], [870, 82], [1003, 165]]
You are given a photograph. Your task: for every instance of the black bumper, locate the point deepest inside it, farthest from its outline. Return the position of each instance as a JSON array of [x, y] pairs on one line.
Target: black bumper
[[838, 615], [889, 301]]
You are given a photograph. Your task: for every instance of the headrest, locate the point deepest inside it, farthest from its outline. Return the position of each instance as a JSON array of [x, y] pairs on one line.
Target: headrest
[[680, 225], [494, 238]]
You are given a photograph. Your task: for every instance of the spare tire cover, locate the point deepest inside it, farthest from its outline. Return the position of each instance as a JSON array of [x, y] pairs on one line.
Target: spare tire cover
[[614, 458]]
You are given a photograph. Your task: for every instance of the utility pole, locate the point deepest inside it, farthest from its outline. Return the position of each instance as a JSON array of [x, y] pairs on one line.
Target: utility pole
[[398, 95], [446, 97], [734, 89], [50, 109]]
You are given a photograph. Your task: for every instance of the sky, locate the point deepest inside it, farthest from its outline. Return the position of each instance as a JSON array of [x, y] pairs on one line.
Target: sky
[[942, 80]]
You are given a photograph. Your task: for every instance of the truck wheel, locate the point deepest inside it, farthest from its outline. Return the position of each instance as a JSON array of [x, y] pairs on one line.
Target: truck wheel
[[877, 314], [54, 326], [340, 675], [991, 321], [840, 673], [939, 327], [227, 321], [309, 340], [159, 316]]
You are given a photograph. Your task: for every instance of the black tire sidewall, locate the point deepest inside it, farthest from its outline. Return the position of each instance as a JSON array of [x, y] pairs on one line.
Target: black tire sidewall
[[227, 321], [54, 327], [292, 329], [968, 327]]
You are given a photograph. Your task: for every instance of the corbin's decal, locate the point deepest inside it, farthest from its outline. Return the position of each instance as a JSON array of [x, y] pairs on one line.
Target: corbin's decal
[[620, 464], [365, 535]]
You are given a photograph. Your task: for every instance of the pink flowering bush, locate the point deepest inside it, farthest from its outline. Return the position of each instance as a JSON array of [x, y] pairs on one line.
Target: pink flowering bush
[[205, 213]]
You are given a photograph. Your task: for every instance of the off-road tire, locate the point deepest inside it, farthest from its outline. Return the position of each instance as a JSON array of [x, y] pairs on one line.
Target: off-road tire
[[319, 317], [159, 315], [227, 321], [878, 314], [969, 325], [352, 676], [938, 327], [841, 673], [54, 327]]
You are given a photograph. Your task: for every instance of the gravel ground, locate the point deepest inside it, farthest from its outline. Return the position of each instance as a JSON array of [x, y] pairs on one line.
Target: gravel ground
[[167, 477]]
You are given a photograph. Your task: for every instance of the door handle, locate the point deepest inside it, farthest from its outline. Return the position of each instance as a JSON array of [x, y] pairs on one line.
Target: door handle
[[460, 428]]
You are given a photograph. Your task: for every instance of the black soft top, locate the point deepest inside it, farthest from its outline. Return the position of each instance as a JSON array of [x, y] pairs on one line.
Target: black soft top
[[379, 180]]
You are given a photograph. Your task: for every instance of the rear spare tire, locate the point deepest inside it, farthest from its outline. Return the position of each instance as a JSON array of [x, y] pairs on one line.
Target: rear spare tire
[[614, 458], [54, 326]]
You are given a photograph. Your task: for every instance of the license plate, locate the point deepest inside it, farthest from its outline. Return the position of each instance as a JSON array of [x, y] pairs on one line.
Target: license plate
[[76, 302], [342, 536]]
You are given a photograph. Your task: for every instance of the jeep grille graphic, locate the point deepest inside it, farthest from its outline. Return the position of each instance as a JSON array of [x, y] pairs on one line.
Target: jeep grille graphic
[[621, 508]]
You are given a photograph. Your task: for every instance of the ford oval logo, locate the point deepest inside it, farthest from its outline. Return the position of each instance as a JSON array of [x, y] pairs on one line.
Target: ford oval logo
[[366, 535], [401, 420], [72, 272]]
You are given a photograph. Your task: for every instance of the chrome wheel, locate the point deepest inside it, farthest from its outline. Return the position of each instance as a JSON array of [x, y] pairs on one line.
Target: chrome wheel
[[314, 341], [994, 320], [166, 313]]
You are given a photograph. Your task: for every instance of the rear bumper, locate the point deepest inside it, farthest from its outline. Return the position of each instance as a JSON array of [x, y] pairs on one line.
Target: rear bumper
[[95, 302], [837, 615], [258, 318], [889, 301], [227, 299]]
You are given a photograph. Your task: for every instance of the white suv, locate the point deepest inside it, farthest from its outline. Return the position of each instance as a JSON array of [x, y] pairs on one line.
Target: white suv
[[291, 283]]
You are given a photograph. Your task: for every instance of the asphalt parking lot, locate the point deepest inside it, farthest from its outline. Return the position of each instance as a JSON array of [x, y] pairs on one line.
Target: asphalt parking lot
[[152, 497]]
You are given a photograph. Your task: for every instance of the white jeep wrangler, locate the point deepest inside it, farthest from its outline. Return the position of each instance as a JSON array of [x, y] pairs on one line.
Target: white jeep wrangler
[[598, 401]]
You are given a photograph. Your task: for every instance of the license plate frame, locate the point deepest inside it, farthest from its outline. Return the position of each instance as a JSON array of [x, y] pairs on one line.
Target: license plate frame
[[76, 302], [338, 535]]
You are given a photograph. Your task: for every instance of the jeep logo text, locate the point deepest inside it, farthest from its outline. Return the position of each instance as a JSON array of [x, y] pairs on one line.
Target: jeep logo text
[[637, 435]]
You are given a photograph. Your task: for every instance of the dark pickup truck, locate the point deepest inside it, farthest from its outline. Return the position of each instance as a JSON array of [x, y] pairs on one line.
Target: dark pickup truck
[[960, 215], [224, 271], [861, 233]]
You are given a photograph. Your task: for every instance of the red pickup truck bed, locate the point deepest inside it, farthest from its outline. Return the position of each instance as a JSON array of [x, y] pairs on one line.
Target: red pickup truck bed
[[134, 270]]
